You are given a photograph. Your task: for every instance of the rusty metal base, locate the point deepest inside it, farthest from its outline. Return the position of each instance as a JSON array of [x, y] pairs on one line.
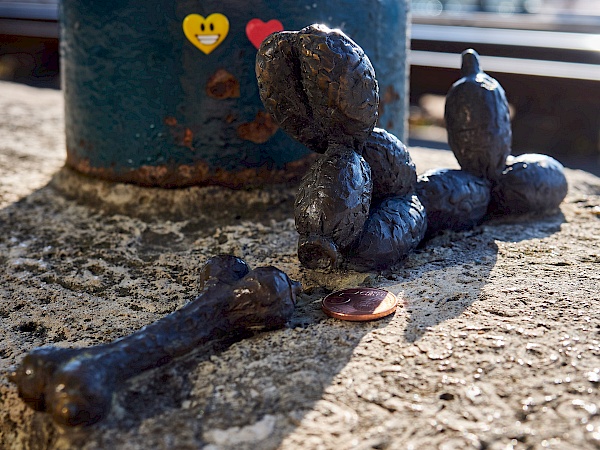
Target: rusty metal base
[[200, 174]]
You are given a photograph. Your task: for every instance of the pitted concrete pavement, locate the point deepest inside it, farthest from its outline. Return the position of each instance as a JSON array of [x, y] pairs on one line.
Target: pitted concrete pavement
[[496, 344]]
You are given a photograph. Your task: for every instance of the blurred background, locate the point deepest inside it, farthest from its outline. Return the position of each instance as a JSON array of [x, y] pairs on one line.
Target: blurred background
[[545, 53]]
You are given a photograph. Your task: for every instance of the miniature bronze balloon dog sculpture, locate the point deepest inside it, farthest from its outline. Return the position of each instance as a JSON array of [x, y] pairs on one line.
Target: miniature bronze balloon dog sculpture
[[360, 206], [76, 385], [356, 207]]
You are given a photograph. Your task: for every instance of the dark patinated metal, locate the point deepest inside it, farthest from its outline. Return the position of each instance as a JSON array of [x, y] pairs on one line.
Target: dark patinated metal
[[361, 206], [478, 120], [225, 268], [331, 207], [319, 86], [531, 183], [454, 199], [76, 385], [392, 169], [479, 134], [394, 229]]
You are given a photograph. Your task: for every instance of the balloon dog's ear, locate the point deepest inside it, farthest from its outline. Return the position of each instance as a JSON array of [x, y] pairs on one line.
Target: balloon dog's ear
[[319, 86]]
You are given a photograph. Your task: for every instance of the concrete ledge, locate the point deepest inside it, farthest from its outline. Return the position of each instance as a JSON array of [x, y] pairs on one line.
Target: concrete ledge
[[495, 345], [214, 203]]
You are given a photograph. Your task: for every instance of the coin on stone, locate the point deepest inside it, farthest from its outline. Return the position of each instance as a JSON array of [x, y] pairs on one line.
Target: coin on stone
[[360, 304]]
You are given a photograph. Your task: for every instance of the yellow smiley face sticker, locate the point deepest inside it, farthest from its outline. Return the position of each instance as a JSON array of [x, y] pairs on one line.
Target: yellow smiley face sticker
[[206, 33]]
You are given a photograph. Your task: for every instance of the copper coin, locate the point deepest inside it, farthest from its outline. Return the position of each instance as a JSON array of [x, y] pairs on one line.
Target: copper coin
[[360, 304]]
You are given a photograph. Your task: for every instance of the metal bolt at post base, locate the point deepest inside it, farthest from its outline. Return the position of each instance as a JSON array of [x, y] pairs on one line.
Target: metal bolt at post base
[[163, 93]]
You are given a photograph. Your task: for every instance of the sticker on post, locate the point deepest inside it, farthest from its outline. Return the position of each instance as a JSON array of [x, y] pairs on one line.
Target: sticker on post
[[206, 33], [257, 30]]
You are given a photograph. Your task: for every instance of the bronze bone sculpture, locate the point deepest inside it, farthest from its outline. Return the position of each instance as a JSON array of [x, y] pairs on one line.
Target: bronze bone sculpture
[[361, 206], [76, 385]]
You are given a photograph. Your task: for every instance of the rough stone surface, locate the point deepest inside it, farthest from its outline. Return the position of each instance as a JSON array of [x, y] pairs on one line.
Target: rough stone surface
[[496, 344]]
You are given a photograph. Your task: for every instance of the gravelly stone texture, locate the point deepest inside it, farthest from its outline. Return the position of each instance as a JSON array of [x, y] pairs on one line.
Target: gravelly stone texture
[[496, 344]]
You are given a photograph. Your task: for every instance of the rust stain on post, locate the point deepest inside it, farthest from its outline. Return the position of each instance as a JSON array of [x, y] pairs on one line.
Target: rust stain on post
[[222, 85], [260, 130], [171, 121], [182, 135], [389, 96], [198, 174], [188, 138]]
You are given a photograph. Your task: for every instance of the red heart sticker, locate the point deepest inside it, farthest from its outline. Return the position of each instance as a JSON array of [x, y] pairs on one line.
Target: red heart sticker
[[257, 30]]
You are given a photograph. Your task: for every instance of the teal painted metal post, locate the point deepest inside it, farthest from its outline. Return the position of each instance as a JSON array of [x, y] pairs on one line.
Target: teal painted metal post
[[150, 100]]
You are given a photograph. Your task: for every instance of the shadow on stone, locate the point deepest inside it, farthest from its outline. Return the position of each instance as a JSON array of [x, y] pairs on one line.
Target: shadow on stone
[[459, 264], [87, 276]]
